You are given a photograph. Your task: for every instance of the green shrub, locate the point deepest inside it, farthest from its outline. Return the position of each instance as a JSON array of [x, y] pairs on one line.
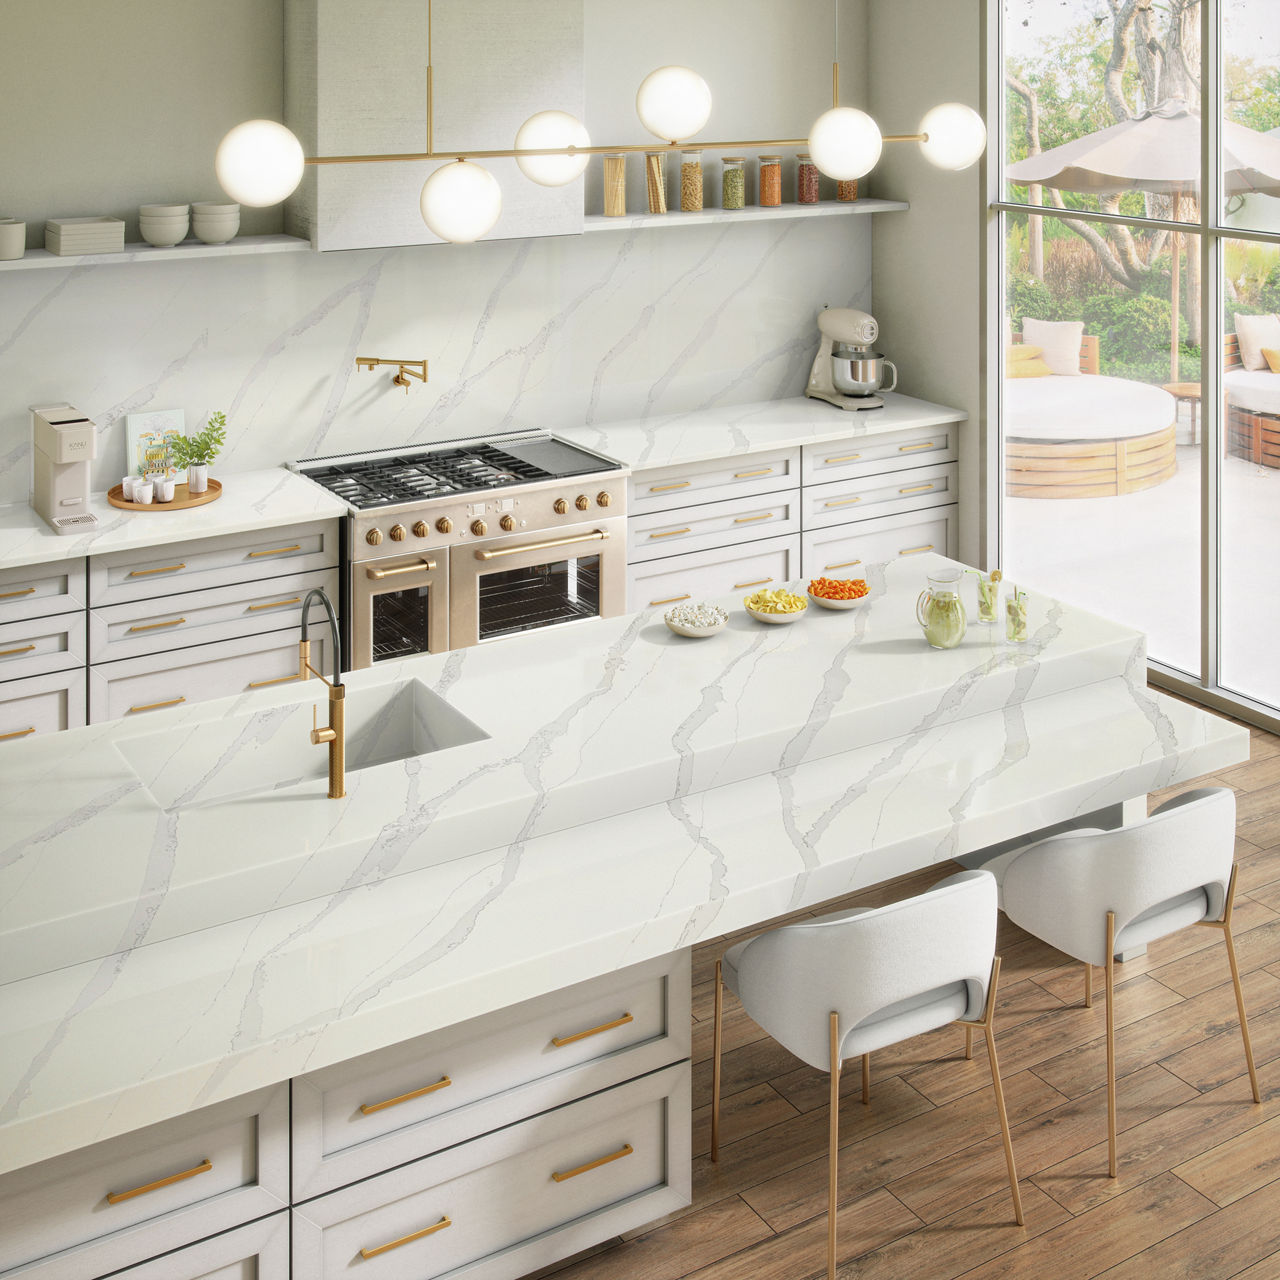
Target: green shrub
[[1028, 296], [1269, 293], [1130, 327]]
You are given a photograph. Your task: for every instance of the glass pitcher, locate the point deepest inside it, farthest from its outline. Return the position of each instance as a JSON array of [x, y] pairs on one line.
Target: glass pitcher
[[940, 611]]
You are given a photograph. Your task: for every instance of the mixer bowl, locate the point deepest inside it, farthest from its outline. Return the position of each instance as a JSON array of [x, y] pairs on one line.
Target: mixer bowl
[[856, 371]]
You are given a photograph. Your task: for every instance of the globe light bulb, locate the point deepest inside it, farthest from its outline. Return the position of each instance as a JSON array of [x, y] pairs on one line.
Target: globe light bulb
[[552, 129], [259, 163], [957, 136], [460, 202], [845, 143], [673, 103]]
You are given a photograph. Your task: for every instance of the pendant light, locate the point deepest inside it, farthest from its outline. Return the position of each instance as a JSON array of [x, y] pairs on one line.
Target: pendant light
[[845, 143], [955, 136], [461, 202], [259, 163], [673, 103], [548, 130]]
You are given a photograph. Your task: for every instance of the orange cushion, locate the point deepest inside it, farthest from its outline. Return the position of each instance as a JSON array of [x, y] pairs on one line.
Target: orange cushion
[[1272, 356]]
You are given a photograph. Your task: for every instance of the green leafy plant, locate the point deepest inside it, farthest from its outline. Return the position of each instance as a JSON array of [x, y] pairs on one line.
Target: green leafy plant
[[201, 448]]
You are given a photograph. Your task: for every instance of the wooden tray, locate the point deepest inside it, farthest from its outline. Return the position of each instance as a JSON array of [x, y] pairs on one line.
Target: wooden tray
[[181, 499]]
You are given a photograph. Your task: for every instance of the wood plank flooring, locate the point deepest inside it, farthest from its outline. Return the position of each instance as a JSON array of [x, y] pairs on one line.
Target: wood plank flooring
[[922, 1180]]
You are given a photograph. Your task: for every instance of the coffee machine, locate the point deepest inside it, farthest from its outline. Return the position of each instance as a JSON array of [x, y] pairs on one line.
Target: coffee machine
[[64, 443], [846, 371]]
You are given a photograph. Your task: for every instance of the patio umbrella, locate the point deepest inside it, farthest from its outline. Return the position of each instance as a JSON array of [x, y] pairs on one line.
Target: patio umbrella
[[1159, 152]]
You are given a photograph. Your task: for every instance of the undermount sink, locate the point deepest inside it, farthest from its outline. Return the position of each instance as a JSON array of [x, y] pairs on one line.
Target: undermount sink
[[264, 752]]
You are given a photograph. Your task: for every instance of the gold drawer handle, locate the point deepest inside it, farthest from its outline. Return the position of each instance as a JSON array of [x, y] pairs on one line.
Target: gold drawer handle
[[164, 568], [911, 448], [844, 457], [627, 1149], [668, 600], [561, 1041], [8, 595], [768, 515], [262, 684], [368, 1108], [422, 566], [911, 551], [917, 488], [366, 1254], [153, 626], [276, 551], [8, 653], [671, 533], [17, 733], [115, 1197], [841, 502], [759, 582], [745, 475], [844, 564], [153, 706], [274, 604], [663, 488]]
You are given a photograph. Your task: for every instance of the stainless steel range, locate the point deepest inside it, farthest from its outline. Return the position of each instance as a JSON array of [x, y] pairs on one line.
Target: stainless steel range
[[450, 545]]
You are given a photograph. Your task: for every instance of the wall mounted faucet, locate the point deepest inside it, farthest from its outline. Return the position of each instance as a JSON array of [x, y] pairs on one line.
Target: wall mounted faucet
[[406, 369]]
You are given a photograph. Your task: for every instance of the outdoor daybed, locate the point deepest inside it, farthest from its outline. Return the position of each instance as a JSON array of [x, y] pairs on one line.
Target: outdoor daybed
[[1253, 408]]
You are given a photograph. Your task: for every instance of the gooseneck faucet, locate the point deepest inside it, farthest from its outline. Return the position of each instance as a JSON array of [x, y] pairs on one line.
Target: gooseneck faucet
[[334, 733]]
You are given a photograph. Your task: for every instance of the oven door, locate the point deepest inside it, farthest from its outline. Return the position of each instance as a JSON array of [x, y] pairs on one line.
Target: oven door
[[509, 585], [399, 607]]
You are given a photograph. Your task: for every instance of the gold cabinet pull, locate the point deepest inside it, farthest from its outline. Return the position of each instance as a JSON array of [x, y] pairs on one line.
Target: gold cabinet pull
[[274, 604], [368, 1108], [115, 1197], [670, 533], [917, 488], [8, 595], [8, 653], [743, 475], [420, 567], [17, 733], [844, 564], [844, 457], [663, 488], [759, 582], [153, 706], [154, 626], [841, 502], [596, 535], [768, 515], [911, 551], [626, 1150], [262, 684], [276, 551], [164, 568], [366, 1254], [911, 448], [561, 1041], [669, 600]]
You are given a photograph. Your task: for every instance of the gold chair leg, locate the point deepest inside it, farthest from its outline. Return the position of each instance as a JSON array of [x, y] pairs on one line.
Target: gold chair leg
[[1088, 986], [833, 1140], [1111, 1044], [715, 1067], [968, 1044], [866, 1079], [1244, 1021]]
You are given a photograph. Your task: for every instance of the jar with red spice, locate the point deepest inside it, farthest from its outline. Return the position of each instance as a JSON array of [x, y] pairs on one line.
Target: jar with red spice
[[806, 179], [770, 181], [847, 189]]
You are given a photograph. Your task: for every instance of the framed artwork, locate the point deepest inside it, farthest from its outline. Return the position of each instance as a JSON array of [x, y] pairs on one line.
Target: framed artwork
[[147, 437]]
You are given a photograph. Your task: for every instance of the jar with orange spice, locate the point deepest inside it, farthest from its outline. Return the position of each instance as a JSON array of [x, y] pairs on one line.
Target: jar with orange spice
[[770, 181]]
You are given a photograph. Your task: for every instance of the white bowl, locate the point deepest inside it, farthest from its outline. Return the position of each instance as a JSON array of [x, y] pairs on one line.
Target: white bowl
[[216, 230], [215, 209], [695, 633], [164, 210], [838, 604], [163, 232], [774, 618]]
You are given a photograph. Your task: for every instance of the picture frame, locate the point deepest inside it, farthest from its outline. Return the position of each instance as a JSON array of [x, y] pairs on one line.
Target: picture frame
[[146, 437]]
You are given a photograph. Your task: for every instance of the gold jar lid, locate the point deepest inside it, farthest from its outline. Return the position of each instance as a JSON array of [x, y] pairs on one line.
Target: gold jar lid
[[770, 159]]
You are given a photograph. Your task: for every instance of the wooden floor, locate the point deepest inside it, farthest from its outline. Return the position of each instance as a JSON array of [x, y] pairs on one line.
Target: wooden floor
[[922, 1177]]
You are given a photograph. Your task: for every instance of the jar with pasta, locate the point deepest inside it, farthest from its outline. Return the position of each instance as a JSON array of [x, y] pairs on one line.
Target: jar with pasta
[[615, 185], [770, 181], [690, 181], [806, 179], [655, 182], [733, 193]]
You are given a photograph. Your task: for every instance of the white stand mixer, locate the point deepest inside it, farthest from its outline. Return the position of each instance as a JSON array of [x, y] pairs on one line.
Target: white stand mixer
[[846, 372]]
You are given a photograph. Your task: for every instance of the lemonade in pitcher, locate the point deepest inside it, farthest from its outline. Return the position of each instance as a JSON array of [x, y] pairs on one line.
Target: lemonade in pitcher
[[940, 611]]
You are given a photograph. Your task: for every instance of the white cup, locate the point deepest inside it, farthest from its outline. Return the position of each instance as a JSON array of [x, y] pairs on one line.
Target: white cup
[[126, 487], [13, 239], [144, 492], [164, 490]]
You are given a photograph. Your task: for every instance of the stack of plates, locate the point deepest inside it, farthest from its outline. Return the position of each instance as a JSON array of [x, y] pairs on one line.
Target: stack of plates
[[71, 237]]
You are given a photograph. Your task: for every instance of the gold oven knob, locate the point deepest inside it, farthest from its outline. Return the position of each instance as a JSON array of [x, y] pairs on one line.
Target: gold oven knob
[[444, 525], [398, 532], [479, 528], [582, 502], [560, 506], [603, 499], [508, 523], [373, 537], [421, 529]]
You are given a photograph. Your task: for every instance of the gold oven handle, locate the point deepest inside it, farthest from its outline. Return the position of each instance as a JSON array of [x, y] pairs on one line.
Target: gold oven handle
[[422, 566], [366, 1254], [626, 1150], [561, 1041], [597, 535], [115, 1197]]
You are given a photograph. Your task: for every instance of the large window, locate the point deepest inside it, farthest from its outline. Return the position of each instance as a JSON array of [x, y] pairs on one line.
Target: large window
[[1139, 265]]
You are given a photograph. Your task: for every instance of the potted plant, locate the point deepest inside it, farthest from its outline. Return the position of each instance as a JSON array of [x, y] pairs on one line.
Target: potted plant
[[196, 452]]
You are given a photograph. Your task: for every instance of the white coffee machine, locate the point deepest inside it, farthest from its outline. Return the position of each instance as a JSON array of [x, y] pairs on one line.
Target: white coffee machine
[[64, 443], [846, 372]]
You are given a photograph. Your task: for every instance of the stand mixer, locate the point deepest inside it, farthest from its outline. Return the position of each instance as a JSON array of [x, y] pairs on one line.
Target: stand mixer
[[846, 371]]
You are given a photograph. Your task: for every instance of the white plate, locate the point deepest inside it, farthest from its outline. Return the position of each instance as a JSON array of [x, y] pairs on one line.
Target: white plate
[[838, 604]]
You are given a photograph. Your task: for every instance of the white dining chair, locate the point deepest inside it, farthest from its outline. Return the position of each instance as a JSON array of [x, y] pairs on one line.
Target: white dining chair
[[847, 984], [1094, 893]]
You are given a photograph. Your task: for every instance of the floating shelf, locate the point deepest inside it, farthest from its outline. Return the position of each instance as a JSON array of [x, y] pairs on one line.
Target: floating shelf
[[705, 217], [242, 246]]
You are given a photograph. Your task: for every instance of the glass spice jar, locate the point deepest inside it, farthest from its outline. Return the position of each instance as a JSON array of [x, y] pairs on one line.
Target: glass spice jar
[[770, 181], [733, 194], [655, 182], [847, 189], [806, 179], [615, 185], [690, 181]]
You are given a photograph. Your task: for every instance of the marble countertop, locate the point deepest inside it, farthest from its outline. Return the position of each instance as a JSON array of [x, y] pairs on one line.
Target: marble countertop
[[616, 793], [250, 500]]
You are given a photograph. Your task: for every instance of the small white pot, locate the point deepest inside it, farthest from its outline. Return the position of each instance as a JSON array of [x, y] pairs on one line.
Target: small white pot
[[13, 239], [198, 477]]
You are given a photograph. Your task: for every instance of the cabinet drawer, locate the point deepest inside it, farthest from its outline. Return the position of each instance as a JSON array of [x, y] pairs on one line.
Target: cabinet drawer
[[703, 575], [41, 590], [201, 617], [119, 1202], [42, 704], [666, 488], [846, 550], [712, 524], [360, 1117], [36, 646], [259, 1251], [514, 1200], [863, 497], [137, 685], [144, 573], [870, 455]]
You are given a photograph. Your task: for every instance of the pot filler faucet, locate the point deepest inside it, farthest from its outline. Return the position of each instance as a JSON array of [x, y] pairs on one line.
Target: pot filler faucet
[[334, 733]]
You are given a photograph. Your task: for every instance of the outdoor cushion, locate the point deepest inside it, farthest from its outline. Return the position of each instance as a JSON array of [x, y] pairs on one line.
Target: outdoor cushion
[[1257, 391], [1059, 340], [1254, 333], [1026, 362], [1087, 407], [1272, 356]]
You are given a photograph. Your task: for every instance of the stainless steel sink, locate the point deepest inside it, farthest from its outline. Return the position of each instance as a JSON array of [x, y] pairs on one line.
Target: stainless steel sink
[[269, 752]]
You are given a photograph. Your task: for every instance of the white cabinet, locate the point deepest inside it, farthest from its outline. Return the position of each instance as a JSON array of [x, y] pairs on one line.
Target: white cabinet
[[701, 526], [41, 590], [672, 488], [874, 455], [844, 551], [706, 574], [259, 1251], [42, 704]]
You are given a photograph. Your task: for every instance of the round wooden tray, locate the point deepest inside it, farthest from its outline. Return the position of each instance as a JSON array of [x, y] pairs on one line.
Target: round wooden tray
[[181, 499]]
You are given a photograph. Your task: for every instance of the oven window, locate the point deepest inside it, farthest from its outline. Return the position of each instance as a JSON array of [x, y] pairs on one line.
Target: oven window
[[400, 623], [512, 600]]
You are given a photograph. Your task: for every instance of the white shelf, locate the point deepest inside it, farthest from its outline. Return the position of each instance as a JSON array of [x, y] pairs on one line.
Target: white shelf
[[240, 247], [705, 217]]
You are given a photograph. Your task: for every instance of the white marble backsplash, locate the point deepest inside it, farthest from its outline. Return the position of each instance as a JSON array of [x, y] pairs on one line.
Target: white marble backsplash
[[553, 332]]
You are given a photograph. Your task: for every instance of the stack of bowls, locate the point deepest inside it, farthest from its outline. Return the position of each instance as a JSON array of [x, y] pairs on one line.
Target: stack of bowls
[[215, 223], [163, 224]]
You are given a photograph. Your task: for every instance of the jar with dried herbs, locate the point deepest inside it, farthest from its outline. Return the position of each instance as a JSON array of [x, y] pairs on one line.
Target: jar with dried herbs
[[690, 181], [806, 179], [733, 194], [770, 181]]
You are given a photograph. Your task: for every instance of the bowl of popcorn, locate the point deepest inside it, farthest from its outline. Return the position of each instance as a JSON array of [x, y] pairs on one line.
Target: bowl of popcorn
[[779, 605], [697, 621], [838, 593]]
